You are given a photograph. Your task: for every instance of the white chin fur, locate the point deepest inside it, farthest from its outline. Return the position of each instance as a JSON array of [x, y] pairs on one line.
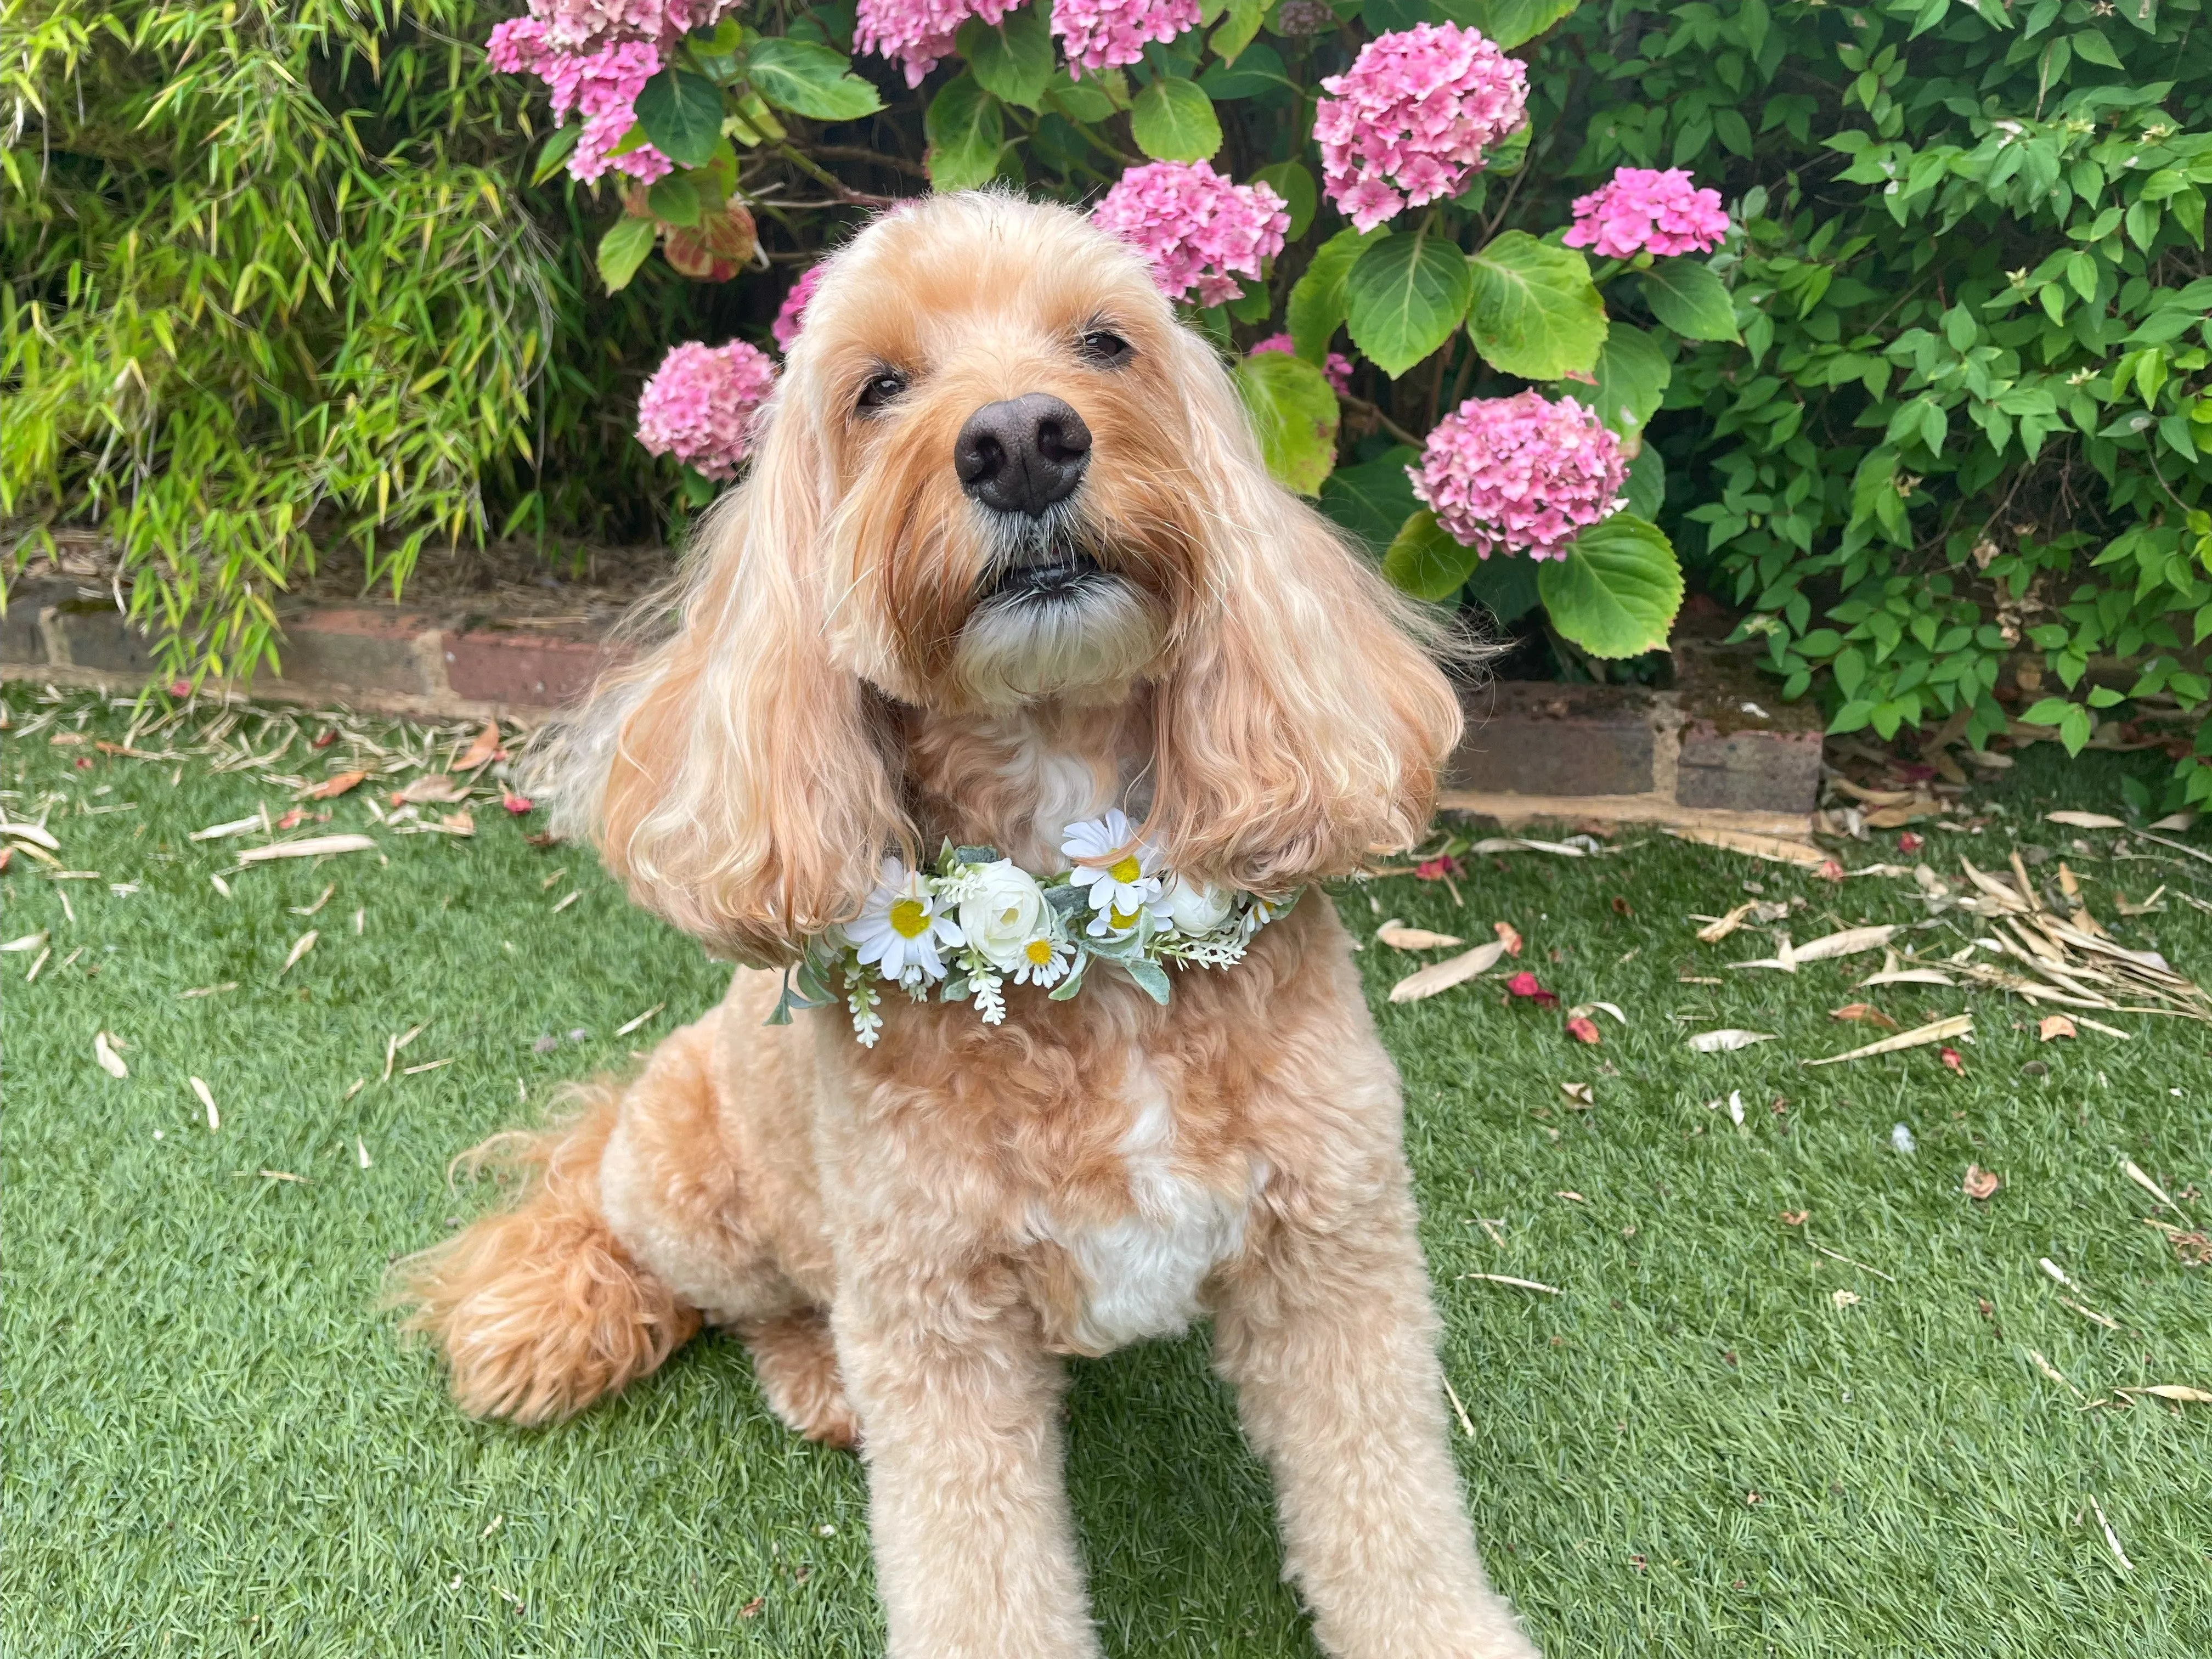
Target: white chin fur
[[1089, 645]]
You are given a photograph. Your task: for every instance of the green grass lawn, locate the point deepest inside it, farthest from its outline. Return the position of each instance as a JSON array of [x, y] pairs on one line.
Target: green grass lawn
[[213, 1445]]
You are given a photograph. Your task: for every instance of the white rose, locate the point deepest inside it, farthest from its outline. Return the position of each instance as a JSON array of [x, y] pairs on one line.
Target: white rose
[[1195, 907], [1004, 911]]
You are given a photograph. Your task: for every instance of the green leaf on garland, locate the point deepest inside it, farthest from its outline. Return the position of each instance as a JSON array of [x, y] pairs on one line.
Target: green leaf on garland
[[1293, 409], [1425, 561], [1404, 296], [1374, 498], [1689, 299], [622, 250], [1632, 374], [808, 80], [1012, 61], [1172, 120], [1318, 299], [1535, 312], [966, 131], [681, 115], [1295, 184], [1508, 22], [1616, 592], [1152, 978]]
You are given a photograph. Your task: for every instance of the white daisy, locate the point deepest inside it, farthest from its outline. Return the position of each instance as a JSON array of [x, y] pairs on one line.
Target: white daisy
[[1119, 873], [900, 927], [1044, 961]]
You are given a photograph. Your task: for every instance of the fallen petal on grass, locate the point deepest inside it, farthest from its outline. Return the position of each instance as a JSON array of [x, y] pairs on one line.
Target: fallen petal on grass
[[103, 1050], [207, 1099], [2054, 1025], [1524, 984], [1980, 1183], [1582, 1028], [1508, 936]]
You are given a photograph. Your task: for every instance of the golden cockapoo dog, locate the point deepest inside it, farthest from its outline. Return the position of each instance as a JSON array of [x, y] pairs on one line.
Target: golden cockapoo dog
[[1008, 556]]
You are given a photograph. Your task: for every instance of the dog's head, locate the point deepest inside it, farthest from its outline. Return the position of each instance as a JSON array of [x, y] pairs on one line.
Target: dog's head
[[997, 471]]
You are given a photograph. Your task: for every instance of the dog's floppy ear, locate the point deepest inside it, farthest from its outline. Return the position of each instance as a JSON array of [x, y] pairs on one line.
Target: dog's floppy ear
[[735, 778], [1302, 719]]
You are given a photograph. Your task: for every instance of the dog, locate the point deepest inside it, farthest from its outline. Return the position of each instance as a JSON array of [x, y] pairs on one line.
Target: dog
[[1007, 558]]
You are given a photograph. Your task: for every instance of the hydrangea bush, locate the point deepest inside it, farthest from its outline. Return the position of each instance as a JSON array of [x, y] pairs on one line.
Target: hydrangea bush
[[1891, 317]]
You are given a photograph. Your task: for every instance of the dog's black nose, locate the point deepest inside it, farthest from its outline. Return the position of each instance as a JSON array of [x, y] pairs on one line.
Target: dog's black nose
[[1023, 454]]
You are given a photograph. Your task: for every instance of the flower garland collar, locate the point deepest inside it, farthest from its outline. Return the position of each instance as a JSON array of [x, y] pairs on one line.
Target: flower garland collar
[[975, 920]]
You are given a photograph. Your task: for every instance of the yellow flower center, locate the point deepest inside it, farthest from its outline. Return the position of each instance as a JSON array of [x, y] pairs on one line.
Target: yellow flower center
[[909, 918], [1038, 951], [1127, 870], [1122, 918]]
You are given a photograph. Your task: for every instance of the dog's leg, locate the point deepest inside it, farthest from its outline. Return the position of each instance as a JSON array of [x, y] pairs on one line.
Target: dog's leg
[[795, 1363], [1326, 1331], [959, 1409], [628, 1228]]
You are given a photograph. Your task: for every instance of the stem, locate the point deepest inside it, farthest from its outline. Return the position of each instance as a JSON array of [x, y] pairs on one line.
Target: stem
[[873, 158], [1362, 406], [821, 174]]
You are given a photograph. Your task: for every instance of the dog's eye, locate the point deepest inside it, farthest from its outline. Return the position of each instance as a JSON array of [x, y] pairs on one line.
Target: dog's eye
[[1106, 350], [883, 389]]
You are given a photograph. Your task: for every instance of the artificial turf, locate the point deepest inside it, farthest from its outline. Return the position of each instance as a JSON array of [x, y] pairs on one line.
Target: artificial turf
[[215, 1445]]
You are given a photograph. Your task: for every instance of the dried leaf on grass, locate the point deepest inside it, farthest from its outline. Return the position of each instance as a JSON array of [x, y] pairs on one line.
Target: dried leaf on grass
[[332, 788], [482, 752], [1775, 849], [2085, 820], [1865, 1012], [1518, 1284], [1720, 926], [432, 787], [301, 946], [1936, 1031], [28, 942], [1583, 1008], [1442, 976], [312, 847], [1508, 936], [235, 827], [2172, 1391], [1395, 935], [1521, 844], [37, 835], [1851, 942], [1980, 1183], [1578, 1094], [207, 1099], [1719, 1042], [2054, 1025], [103, 1050]]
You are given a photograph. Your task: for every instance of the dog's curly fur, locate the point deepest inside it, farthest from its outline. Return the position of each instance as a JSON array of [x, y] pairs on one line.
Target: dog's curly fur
[[908, 1236]]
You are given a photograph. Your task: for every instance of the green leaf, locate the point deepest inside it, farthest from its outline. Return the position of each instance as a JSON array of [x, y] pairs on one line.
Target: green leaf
[[1508, 22], [559, 143], [674, 199], [622, 250], [1689, 299], [1318, 299], [1294, 410], [1632, 376], [1425, 561], [1012, 61], [966, 131], [2093, 47], [1616, 592], [1243, 24], [808, 80], [1086, 99], [1373, 499], [681, 115], [1505, 586], [1173, 120], [1647, 483], [1152, 978], [1295, 184], [1535, 314], [1404, 296]]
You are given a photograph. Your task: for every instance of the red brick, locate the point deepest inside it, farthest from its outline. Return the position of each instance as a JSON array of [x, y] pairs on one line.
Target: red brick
[[1532, 738], [524, 669], [362, 650]]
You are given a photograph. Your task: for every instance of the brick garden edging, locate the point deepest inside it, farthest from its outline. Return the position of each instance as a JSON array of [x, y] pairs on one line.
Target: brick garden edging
[[1717, 751]]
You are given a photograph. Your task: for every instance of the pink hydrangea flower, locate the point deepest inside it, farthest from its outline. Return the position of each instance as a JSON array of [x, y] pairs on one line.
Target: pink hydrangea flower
[[1096, 34], [918, 32], [1408, 121], [1520, 474], [1199, 230], [1337, 368], [601, 85], [1642, 211], [699, 404], [585, 25], [793, 312]]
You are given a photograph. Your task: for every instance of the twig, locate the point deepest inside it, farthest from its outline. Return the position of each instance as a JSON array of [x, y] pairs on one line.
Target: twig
[[1360, 405]]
